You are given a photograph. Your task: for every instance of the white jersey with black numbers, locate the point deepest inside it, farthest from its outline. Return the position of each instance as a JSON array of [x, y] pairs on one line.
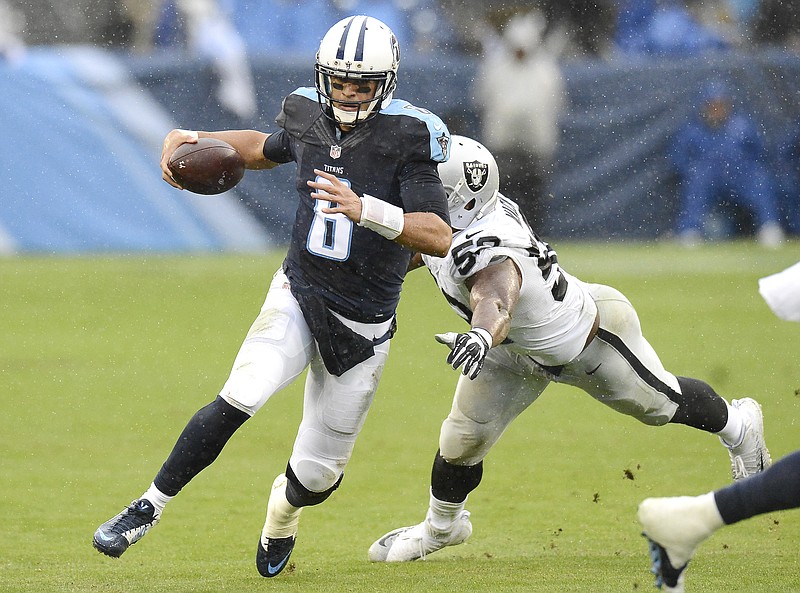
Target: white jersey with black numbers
[[555, 311]]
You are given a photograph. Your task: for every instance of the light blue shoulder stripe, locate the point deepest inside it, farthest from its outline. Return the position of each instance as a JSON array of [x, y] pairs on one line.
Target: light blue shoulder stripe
[[437, 130], [307, 92]]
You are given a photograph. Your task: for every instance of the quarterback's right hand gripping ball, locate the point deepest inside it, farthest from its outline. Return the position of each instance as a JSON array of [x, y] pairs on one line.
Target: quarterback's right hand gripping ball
[[468, 349], [207, 167]]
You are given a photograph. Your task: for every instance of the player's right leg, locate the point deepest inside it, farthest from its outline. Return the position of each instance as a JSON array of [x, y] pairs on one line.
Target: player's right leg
[[198, 445], [275, 351], [482, 409]]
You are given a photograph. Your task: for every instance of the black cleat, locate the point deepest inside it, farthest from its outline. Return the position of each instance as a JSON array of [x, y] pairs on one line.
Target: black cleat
[[114, 536], [667, 576], [273, 554]]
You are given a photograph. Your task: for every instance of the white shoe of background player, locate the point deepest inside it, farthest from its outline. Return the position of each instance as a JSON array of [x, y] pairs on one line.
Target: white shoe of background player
[[417, 541]]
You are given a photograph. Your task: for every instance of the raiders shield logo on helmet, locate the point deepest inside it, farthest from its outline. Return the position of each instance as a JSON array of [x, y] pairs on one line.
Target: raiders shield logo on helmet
[[476, 173]]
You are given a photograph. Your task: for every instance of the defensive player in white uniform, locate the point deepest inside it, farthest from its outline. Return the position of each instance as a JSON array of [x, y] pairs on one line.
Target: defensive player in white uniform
[[533, 323], [369, 196]]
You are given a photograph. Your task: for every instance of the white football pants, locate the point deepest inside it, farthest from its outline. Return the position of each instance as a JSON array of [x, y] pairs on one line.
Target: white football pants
[[621, 370], [276, 350]]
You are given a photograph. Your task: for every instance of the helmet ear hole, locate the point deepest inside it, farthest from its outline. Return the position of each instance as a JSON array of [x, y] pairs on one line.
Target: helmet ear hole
[[469, 205]]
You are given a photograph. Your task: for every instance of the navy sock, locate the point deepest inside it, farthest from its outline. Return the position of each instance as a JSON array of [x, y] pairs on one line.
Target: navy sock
[[199, 445], [452, 483], [775, 489]]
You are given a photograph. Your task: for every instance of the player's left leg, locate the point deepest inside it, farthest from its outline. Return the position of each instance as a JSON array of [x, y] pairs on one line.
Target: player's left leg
[[482, 409], [335, 409], [620, 369]]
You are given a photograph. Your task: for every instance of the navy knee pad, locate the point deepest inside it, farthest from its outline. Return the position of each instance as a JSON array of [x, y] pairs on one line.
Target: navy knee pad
[[300, 496]]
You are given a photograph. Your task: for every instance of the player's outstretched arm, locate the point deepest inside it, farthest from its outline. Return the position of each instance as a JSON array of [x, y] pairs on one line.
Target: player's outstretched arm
[[248, 143], [494, 292]]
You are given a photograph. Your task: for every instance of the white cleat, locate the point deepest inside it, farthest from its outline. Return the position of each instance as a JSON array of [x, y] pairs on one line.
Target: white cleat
[[751, 455], [417, 541], [675, 527]]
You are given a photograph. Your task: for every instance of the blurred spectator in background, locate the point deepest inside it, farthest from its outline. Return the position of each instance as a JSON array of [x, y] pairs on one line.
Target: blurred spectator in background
[[282, 28], [207, 31], [777, 22], [297, 26], [419, 25], [662, 28], [787, 166], [720, 159], [522, 96], [433, 30], [731, 19], [12, 22], [589, 23]]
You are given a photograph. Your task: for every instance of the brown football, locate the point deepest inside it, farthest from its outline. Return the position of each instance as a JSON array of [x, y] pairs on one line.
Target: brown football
[[208, 167]]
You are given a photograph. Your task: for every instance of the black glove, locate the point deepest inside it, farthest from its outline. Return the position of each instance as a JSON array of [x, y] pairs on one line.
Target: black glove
[[468, 349]]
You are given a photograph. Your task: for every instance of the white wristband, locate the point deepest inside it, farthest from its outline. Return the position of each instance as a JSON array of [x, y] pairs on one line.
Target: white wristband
[[484, 333], [382, 217]]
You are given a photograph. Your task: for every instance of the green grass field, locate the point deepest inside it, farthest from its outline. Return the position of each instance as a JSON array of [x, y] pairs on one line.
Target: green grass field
[[102, 361]]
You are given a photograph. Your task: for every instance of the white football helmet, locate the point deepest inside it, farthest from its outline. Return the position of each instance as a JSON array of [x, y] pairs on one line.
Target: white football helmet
[[472, 181], [362, 48]]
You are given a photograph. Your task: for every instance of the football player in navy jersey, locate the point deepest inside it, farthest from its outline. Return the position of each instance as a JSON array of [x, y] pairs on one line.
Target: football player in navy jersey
[[531, 323], [369, 197]]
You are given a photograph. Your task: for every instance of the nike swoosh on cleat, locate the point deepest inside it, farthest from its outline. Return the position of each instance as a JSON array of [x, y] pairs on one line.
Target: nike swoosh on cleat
[[278, 567], [386, 538]]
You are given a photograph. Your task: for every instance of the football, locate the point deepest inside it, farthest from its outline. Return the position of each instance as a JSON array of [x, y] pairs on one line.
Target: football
[[208, 167]]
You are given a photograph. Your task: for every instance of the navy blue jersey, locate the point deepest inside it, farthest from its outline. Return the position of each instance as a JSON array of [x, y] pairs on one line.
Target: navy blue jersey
[[392, 156]]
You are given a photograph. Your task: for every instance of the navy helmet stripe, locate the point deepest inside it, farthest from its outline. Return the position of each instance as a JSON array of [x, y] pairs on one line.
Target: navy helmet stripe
[[343, 40], [360, 46]]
